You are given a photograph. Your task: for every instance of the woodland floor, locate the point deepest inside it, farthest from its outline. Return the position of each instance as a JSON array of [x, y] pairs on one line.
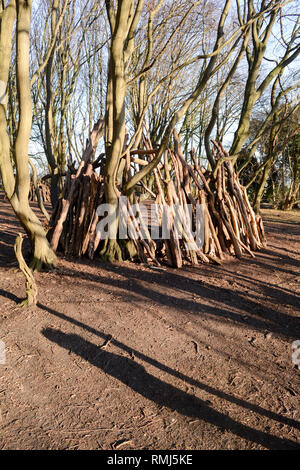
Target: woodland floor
[[128, 357]]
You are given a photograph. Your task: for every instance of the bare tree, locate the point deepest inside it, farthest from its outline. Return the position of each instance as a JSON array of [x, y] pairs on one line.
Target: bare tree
[[261, 30], [16, 184]]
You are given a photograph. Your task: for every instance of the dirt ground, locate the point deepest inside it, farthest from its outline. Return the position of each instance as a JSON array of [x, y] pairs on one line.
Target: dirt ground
[[128, 357]]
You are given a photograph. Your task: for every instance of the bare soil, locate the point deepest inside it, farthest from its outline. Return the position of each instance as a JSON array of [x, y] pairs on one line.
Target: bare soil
[[125, 356]]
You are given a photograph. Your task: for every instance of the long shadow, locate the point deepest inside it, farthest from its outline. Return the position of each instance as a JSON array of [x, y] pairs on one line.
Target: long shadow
[[172, 372], [287, 250], [282, 295], [240, 362], [10, 296], [288, 295], [276, 254], [268, 220], [138, 379], [263, 264], [283, 259], [264, 318], [293, 235]]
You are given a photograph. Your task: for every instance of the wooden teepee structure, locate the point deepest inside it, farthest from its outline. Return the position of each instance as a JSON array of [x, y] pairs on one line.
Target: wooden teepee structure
[[229, 225]]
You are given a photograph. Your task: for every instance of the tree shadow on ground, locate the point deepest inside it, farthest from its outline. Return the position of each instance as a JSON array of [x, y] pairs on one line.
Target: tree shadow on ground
[[286, 250], [268, 221], [262, 262], [9, 295], [172, 372], [138, 379], [235, 306], [279, 294]]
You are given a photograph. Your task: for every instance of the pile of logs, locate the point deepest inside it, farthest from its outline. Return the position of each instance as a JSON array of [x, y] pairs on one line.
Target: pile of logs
[[75, 217], [43, 190], [229, 225]]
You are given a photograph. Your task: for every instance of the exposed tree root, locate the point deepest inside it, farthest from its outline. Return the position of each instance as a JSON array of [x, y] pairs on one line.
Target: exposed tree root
[[31, 287]]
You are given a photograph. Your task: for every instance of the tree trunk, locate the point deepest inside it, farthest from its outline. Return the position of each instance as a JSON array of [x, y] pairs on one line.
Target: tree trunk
[[115, 122], [260, 190], [17, 187]]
